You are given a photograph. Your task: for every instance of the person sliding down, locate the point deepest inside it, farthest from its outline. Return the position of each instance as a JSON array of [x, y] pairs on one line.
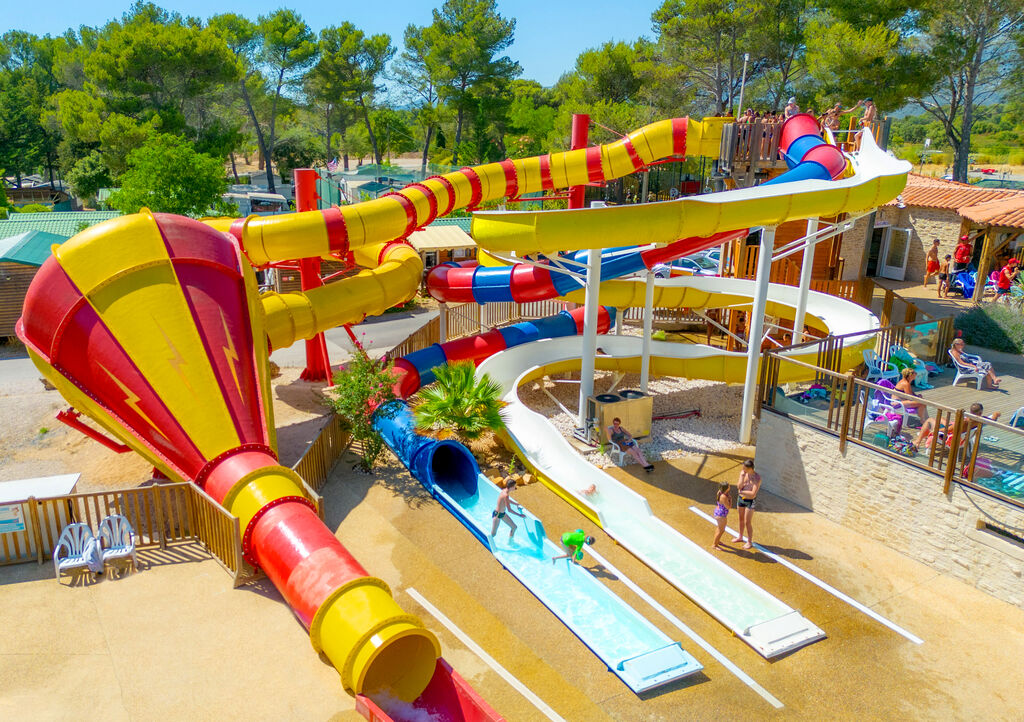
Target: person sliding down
[[572, 543], [504, 508]]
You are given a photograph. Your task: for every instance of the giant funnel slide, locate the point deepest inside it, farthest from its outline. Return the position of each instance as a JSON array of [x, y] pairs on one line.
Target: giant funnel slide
[[151, 325]]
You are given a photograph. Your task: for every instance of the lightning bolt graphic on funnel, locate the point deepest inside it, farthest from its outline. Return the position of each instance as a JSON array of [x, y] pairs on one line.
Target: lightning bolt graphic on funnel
[[124, 292]]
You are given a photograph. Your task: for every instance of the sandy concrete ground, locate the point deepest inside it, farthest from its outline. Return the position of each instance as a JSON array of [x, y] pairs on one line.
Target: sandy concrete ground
[[175, 638]]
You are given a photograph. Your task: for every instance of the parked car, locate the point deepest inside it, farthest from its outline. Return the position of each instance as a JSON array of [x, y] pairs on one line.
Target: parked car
[[988, 171], [715, 254], [695, 265]]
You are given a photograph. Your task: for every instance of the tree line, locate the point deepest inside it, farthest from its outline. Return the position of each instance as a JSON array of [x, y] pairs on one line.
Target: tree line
[[95, 104]]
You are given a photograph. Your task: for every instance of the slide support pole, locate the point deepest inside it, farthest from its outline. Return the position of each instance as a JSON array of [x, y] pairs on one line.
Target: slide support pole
[[755, 329], [645, 358], [442, 322], [589, 331], [578, 139], [318, 363], [805, 281]]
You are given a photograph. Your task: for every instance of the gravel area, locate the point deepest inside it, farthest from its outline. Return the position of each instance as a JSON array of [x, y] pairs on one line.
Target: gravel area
[[716, 430]]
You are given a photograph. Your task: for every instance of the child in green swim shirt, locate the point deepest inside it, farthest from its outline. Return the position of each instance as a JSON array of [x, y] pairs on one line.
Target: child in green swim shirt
[[572, 543]]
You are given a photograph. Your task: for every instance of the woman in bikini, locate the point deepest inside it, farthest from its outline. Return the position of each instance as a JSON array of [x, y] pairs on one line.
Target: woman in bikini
[[721, 513], [747, 488], [906, 386]]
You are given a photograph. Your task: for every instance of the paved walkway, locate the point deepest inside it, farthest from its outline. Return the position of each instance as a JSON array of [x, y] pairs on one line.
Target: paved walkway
[[176, 638]]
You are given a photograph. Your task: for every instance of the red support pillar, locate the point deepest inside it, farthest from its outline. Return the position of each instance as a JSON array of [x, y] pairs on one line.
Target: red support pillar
[[318, 363], [580, 135]]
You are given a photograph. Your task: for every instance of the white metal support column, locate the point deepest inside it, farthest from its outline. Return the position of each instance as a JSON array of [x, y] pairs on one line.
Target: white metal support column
[[442, 321], [806, 270], [755, 329], [590, 308], [645, 358]]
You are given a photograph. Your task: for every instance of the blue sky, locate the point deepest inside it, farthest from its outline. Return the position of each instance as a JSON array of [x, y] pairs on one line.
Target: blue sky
[[549, 33]]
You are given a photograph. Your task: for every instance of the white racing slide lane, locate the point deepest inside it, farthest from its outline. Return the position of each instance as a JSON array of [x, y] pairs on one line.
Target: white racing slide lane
[[764, 622]]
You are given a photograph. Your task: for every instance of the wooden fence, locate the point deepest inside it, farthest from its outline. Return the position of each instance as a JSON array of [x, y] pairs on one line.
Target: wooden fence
[[970, 450], [927, 340], [319, 459], [427, 335], [160, 514]]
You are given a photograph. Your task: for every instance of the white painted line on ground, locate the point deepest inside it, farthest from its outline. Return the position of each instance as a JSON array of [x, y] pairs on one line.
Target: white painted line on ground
[[827, 587], [491, 661], [678, 624]]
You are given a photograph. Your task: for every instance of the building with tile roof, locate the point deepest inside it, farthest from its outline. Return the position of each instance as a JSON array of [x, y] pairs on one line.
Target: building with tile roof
[[1002, 213], [893, 241]]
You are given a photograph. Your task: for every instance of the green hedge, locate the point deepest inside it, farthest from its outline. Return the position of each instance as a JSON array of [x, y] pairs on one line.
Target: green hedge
[[995, 326]]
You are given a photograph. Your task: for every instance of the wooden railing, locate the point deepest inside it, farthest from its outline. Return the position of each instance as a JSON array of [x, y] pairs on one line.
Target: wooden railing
[[494, 315], [319, 459], [969, 450], [426, 335], [928, 340], [634, 316], [542, 309], [160, 514], [463, 319], [219, 531]]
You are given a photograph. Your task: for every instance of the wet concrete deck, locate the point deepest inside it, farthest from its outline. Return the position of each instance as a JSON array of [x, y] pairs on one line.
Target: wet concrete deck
[[174, 640]]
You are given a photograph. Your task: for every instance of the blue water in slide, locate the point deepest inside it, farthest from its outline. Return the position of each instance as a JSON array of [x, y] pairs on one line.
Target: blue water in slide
[[634, 649]]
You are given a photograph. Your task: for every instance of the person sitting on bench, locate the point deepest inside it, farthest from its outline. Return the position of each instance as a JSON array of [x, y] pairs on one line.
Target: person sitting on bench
[[625, 441]]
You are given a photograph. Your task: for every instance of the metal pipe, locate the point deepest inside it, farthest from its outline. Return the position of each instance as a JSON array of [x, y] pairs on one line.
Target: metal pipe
[[645, 358], [743, 83], [754, 330], [587, 365], [806, 269]]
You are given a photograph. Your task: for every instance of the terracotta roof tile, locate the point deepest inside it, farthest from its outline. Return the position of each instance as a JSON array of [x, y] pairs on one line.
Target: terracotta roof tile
[[923, 192], [1008, 212]]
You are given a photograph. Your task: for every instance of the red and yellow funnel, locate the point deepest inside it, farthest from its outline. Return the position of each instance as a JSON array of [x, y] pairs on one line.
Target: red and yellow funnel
[[151, 325]]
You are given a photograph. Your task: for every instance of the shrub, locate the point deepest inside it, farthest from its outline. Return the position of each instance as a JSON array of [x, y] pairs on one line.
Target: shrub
[[995, 326], [359, 393], [460, 404]]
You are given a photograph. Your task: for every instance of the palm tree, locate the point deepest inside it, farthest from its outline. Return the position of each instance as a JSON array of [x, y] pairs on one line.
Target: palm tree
[[458, 403]]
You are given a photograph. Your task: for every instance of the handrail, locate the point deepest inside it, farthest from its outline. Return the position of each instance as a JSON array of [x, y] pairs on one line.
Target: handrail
[[159, 514], [955, 460]]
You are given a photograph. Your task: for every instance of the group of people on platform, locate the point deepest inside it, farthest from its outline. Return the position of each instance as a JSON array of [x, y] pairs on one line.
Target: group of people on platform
[[959, 261], [830, 118]]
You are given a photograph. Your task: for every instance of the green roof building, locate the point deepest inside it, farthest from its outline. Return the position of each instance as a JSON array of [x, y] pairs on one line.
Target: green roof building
[[61, 223], [30, 248]]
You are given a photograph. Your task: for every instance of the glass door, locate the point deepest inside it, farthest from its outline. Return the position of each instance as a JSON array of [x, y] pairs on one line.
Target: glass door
[[895, 250]]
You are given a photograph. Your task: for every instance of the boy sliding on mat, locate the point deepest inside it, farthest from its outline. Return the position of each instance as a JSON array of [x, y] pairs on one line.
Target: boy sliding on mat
[[504, 508]]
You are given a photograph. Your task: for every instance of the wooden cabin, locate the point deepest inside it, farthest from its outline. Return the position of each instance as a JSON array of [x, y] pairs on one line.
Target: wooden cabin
[[20, 259]]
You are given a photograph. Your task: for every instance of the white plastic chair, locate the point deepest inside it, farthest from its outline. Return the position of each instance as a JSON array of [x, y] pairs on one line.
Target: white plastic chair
[[1017, 420], [920, 367], [964, 372], [877, 409], [117, 540], [81, 550], [877, 367], [616, 449]]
